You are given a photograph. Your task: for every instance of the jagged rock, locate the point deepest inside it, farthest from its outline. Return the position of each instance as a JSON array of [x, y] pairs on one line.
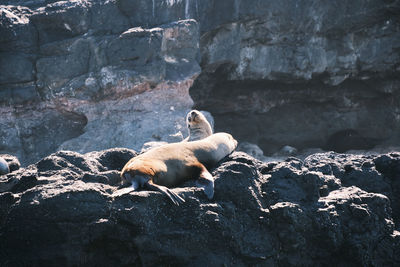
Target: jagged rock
[[8, 163], [4, 169], [320, 211], [12, 162]]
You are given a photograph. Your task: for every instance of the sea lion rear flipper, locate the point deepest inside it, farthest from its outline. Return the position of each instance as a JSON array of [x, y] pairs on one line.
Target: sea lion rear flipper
[[207, 182], [173, 196]]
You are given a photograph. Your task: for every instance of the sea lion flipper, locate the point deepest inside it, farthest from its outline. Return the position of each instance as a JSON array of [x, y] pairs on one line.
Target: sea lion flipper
[[206, 181], [175, 198]]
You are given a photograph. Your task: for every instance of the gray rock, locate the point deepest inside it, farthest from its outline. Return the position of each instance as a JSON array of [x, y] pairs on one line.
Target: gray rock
[[298, 41], [17, 33], [60, 20], [272, 73], [286, 151], [12, 162], [252, 149], [275, 73], [4, 168], [135, 82], [16, 68], [149, 145], [369, 172], [282, 213], [274, 114]]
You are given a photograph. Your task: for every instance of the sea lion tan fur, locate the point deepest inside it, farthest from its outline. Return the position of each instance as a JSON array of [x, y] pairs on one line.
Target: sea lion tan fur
[[198, 126], [172, 164]]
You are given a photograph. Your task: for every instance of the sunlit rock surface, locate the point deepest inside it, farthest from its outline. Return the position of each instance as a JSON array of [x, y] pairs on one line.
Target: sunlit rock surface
[[308, 74], [79, 75], [330, 209]]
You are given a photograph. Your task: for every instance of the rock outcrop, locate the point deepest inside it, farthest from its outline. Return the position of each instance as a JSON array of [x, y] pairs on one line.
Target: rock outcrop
[[330, 209], [82, 75], [304, 73], [273, 73], [12, 162]]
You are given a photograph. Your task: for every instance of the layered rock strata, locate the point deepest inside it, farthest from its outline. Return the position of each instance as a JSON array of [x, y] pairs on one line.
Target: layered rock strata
[[80, 75]]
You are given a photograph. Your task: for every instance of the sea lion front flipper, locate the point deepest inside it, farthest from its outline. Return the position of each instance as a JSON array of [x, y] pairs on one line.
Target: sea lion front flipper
[[173, 196], [206, 181]]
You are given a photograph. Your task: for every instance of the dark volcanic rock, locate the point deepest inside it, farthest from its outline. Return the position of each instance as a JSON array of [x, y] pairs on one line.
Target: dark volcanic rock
[[331, 209]]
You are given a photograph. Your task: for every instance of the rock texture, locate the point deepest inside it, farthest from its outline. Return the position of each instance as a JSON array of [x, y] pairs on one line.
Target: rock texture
[[12, 162], [84, 75], [302, 73], [330, 209]]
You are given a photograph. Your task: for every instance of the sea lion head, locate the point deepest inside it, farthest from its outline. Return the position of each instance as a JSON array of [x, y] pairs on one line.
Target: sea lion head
[[198, 126], [136, 179], [194, 117]]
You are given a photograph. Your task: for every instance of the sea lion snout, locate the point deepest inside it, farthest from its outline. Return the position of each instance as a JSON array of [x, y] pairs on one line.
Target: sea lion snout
[[136, 181], [192, 116], [198, 126]]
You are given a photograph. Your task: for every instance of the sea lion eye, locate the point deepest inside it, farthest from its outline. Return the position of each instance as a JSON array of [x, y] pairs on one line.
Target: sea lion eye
[[189, 119]]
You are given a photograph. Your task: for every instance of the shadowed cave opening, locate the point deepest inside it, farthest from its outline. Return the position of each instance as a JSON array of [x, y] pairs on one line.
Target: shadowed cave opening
[[354, 115]]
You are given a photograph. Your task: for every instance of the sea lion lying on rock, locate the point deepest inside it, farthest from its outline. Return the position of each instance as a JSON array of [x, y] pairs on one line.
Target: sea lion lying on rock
[[172, 164]]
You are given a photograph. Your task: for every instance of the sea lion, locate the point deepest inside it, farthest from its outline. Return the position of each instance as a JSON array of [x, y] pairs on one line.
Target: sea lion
[[172, 164], [4, 168], [198, 126]]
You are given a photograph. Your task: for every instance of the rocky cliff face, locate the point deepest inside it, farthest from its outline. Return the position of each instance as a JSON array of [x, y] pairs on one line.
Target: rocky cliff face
[[83, 75], [89, 75], [330, 209], [305, 74]]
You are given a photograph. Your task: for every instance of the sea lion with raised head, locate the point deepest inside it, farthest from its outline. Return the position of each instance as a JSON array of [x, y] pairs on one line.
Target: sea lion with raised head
[[198, 126], [172, 164]]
